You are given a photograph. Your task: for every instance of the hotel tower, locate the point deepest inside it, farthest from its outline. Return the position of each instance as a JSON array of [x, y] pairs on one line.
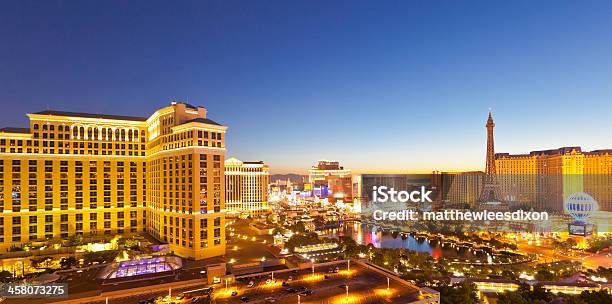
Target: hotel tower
[[544, 179], [100, 175], [246, 185]]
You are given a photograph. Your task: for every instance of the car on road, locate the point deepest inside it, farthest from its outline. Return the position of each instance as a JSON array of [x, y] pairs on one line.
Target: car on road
[[251, 284], [306, 292], [270, 300], [285, 284], [290, 290], [234, 293], [244, 299], [198, 300]]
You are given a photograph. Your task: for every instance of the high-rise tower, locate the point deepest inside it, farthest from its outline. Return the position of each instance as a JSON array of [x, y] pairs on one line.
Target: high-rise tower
[[98, 175], [490, 190], [246, 187], [490, 168]]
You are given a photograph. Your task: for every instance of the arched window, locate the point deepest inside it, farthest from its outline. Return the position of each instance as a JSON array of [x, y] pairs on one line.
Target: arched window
[[122, 134]]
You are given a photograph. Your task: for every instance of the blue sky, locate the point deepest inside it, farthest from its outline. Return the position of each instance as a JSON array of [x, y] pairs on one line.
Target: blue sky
[[385, 86]]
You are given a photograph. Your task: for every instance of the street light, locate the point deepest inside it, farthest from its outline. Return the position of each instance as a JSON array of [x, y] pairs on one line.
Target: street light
[[347, 299], [387, 283], [312, 263], [298, 299]]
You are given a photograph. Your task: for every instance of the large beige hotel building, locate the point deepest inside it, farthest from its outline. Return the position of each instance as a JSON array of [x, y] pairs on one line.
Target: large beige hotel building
[[100, 175], [544, 179], [541, 180], [246, 184]]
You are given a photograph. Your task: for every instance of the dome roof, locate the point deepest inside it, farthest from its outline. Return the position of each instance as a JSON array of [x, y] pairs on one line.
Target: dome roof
[[141, 266]]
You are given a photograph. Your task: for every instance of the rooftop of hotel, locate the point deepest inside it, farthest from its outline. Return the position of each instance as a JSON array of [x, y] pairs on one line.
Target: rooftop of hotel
[[599, 152], [204, 120], [104, 116], [15, 130], [91, 115], [559, 151], [237, 162]]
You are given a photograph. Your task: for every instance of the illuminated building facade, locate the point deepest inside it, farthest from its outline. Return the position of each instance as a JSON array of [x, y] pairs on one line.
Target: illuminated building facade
[[544, 179], [541, 180], [327, 179], [457, 190], [246, 186], [98, 175]]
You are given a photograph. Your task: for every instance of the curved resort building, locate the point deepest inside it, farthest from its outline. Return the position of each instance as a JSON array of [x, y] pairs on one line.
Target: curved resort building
[[98, 175]]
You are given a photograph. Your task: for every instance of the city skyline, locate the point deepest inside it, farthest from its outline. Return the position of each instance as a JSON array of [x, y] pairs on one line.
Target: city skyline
[[342, 152], [305, 84], [375, 170]]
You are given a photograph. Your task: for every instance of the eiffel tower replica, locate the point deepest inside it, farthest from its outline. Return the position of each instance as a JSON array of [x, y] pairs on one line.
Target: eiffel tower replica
[[489, 198]]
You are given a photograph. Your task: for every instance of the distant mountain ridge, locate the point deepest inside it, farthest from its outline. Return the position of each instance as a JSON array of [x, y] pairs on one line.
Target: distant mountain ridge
[[294, 178]]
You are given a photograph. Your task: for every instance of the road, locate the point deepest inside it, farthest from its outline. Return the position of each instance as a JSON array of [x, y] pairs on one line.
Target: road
[[548, 254], [364, 286]]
